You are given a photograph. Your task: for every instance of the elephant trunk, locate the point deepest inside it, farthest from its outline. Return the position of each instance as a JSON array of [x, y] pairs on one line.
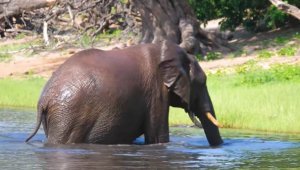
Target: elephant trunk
[[208, 121]]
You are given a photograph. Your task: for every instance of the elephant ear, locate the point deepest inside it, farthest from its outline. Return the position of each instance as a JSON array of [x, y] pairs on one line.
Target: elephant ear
[[174, 67]]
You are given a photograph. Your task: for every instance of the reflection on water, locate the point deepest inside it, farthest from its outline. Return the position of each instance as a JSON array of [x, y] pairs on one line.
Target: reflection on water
[[188, 149]]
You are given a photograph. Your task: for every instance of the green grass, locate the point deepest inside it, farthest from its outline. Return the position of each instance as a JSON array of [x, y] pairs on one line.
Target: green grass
[[271, 106], [238, 53], [5, 57], [87, 40], [20, 36], [20, 92], [178, 117], [19, 46]]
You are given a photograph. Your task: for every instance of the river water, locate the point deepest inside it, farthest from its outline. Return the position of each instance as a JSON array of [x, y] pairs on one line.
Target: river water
[[188, 149]]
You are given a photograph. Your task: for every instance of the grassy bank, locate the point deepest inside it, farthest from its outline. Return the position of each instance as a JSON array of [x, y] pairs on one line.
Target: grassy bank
[[257, 99], [251, 98], [268, 107], [20, 92]]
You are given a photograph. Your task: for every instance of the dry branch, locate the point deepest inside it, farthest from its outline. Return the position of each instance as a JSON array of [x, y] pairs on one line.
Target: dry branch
[[45, 33], [53, 17]]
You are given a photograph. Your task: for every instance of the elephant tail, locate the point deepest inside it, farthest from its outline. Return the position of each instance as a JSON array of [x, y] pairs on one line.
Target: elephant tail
[[39, 122]]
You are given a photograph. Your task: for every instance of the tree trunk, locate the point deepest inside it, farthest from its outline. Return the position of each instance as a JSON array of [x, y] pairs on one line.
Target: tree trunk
[[287, 8], [174, 20], [10, 8]]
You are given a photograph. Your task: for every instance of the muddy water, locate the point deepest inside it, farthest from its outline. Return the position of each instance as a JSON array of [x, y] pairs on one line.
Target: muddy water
[[188, 149]]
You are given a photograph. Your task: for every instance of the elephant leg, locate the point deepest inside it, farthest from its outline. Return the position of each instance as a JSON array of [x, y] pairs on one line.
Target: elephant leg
[[77, 135], [157, 125], [157, 128], [65, 127], [68, 135]]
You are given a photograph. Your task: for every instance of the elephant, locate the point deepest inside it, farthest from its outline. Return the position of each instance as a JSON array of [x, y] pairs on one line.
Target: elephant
[[113, 97]]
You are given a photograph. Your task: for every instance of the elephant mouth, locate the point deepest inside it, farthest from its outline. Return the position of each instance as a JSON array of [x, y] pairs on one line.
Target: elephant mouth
[[209, 117]]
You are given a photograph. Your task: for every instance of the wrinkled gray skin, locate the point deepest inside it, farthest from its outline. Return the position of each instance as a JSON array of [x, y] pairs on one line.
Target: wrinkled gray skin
[[113, 97]]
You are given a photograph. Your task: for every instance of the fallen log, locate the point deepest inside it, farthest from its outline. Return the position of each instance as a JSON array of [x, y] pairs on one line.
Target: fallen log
[[14, 7]]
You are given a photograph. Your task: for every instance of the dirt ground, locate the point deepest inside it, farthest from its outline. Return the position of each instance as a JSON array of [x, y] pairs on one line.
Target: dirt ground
[[45, 62]]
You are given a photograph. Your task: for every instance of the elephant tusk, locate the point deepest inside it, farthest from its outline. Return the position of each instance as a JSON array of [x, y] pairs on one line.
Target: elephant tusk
[[212, 119], [194, 119]]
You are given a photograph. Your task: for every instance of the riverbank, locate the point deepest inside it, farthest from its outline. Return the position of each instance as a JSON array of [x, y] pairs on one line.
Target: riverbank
[[266, 100], [254, 87], [20, 92], [257, 99]]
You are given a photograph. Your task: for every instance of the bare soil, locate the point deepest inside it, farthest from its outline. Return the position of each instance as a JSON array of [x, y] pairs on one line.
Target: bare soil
[[41, 63]]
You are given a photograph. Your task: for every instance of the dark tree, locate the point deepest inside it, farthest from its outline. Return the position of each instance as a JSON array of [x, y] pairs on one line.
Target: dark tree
[[174, 20]]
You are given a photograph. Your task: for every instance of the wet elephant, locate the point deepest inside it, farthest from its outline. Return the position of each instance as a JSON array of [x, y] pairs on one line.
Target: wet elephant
[[112, 97]]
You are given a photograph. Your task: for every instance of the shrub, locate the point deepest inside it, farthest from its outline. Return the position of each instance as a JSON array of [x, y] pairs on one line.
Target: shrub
[[199, 57], [287, 51], [297, 35], [281, 40], [212, 56], [253, 15], [265, 54], [245, 68], [274, 18]]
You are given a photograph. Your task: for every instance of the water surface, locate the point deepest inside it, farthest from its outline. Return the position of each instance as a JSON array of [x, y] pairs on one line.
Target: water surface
[[188, 149]]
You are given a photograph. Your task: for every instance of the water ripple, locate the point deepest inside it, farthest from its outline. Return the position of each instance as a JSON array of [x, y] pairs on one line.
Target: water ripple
[[188, 149]]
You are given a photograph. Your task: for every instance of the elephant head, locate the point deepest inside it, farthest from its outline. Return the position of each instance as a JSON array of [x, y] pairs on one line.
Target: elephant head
[[186, 83]]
